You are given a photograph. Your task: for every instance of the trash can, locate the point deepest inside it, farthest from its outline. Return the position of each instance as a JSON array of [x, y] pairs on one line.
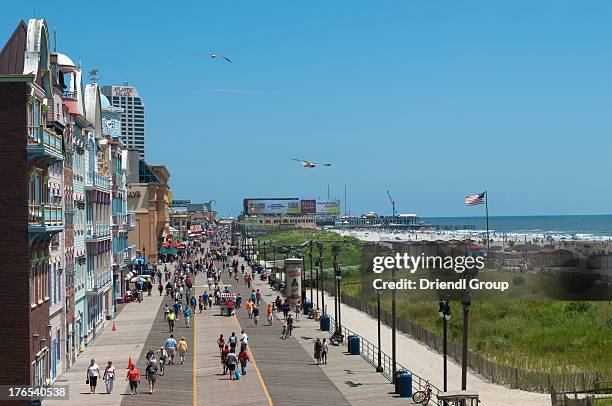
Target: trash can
[[354, 345], [396, 379], [307, 307], [324, 322], [405, 385]]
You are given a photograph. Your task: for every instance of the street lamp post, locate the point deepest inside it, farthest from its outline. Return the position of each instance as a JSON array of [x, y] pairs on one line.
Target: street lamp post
[[310, 281], [393, 330], [466, 301], [338, 277], [379, 367], [445, 314], [320, 247]]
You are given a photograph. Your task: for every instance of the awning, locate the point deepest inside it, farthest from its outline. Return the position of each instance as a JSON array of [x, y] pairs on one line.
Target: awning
[[167, 251]]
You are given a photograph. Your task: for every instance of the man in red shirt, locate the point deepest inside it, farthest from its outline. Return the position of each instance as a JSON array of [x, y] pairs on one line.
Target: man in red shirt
[[230, 306]]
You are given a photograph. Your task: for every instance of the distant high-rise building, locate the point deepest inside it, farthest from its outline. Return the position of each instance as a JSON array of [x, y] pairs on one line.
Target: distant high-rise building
[[133, 117]]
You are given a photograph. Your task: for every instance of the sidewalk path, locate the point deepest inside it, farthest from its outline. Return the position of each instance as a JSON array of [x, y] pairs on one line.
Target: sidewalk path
[[428, 364], [133, 324]]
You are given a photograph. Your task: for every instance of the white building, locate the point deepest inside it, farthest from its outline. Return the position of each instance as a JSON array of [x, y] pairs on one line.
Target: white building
[[132, 117]]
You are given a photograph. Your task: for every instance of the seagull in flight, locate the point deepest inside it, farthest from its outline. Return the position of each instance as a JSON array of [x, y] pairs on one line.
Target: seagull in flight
[[308, 164], [213, 56]]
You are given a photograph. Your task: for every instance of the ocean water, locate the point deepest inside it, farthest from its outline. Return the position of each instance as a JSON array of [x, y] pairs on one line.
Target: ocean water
[[577, 226]]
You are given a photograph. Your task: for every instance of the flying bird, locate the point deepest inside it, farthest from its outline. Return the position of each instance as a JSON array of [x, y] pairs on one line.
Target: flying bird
[[213, 56], [308, 164]]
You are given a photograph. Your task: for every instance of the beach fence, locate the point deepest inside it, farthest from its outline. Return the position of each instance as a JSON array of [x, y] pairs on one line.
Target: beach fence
[[515, 378]]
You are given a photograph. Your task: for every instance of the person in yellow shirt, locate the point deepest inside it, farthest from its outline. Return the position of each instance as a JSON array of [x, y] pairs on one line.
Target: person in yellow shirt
[[182, 349]]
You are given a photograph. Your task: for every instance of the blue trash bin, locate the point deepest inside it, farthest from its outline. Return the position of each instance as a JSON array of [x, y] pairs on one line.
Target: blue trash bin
[[354, 345], [307, 307], [405, 385], [324, 323]]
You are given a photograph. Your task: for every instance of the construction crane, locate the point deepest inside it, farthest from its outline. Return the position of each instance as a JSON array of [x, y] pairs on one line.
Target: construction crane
[[392, 202]]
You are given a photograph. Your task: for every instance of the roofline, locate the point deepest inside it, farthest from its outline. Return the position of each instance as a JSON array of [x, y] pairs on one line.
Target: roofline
[[17, 78]]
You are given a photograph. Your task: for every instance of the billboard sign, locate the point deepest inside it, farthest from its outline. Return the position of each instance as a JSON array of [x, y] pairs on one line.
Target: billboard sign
[[308, 206], [329, 207], [272, 206]]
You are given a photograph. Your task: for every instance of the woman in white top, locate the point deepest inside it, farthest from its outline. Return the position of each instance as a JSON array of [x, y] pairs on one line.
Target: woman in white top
[[93, 372], [324, 351], [109, 377]]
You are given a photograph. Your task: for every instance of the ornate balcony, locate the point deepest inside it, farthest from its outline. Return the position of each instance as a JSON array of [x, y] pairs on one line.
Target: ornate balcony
[[96, 232], [45, 217], [44, 143], [96, 181]]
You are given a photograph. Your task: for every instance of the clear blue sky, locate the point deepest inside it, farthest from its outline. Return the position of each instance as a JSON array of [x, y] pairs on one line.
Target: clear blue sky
[[429, 99]]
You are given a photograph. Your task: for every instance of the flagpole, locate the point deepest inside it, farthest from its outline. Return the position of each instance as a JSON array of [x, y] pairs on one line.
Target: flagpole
[[487, 216]]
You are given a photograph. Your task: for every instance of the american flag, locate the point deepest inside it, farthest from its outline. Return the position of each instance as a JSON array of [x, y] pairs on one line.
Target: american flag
[[474, 200]]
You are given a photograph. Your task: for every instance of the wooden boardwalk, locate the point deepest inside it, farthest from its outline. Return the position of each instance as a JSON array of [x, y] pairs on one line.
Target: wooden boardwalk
[[212, 387], [356, 380], [176, 387], [290, 372]]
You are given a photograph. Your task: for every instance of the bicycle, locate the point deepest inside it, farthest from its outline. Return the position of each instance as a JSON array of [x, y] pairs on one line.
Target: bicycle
[[422, 396]]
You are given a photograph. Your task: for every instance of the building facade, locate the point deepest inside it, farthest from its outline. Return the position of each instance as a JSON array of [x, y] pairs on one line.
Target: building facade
[[31, 137], [122, 220], [149, 198], [98, 239], [133, 128]]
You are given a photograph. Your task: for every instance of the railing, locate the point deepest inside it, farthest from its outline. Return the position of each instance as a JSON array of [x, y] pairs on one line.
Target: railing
[[130, 253], [369, 352], [40, 136], [130, 219], [97, 230], [95, 179], [45, 214]]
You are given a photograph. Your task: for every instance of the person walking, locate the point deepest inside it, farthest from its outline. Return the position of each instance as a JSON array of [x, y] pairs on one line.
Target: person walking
[[256, 315], [324, 350], [133, 377], [187, 315], [160, 287], [318, 349], [109, 377], [233, 341], [244, 341], [224, 352], [221, 343], [150, 355], [182, 349], [284, 332], [162, 354], [151, 373], [170, 345], [171, 317], [243, 358], [298, 309], [231, 360], [249, 307], [257, 297], [93, 372], [201, 303], [289, 326], [269, 315], [177, 309], [194, 303]]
